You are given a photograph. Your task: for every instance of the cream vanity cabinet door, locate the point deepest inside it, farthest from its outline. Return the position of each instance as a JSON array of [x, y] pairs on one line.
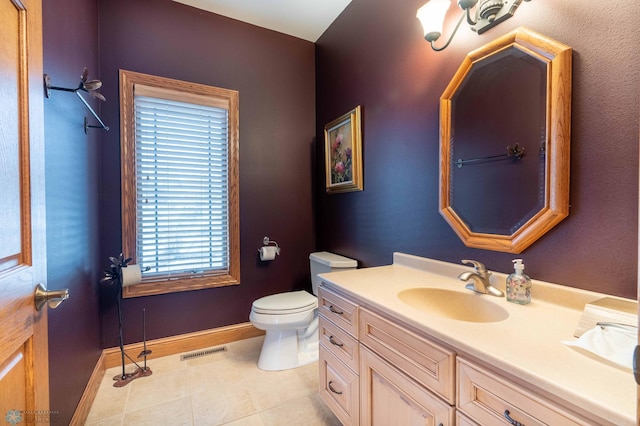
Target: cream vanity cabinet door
[[388, 397], [405, 378], [339, 388], [488, 399], [339, 356]]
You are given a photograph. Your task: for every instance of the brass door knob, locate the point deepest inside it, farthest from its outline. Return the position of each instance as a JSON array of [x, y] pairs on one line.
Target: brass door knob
[[53, 298]]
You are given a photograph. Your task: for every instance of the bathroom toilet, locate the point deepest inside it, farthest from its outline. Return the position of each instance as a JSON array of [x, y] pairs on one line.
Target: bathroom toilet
[[290, 320]]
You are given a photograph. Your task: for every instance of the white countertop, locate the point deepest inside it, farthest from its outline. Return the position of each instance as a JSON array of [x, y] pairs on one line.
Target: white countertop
[[528, 344]]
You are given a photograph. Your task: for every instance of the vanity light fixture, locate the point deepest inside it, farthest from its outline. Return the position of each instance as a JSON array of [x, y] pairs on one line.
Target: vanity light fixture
[[486, 14]]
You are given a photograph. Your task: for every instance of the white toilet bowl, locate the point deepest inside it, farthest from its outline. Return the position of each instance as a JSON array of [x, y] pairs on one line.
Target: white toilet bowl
[[290, 320]]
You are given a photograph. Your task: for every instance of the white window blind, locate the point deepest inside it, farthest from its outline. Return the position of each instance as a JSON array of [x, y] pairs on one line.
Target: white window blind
[[181, 188]]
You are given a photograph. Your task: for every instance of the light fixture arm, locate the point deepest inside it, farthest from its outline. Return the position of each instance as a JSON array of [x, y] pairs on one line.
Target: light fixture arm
[[467, 6], [480, 16], [438, 49]]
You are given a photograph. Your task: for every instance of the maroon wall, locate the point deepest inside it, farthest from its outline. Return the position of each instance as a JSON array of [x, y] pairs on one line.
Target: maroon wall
[[72, 163], [374, 56], [274, 74]]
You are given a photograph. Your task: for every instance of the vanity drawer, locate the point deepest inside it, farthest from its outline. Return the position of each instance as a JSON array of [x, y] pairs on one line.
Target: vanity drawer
[[339, 388], [338, 310], [339, 343], [487, 399], [426, 362]]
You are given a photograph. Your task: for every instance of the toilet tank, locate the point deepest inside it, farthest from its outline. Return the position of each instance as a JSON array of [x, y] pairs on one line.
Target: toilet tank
[[323, 261]]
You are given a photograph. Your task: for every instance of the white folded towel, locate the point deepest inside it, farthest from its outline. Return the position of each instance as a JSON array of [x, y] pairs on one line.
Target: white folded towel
[[613, 342]]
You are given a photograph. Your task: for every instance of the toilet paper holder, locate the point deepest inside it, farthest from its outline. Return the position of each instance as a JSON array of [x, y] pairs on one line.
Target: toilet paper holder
[[266, 242]]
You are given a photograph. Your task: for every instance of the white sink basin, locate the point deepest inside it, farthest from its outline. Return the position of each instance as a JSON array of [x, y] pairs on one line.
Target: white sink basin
[[471, 307]]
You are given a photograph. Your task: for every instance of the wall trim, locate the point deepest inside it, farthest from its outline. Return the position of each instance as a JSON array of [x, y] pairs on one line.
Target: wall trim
[[184, 342], [110, 357], [91, 390]]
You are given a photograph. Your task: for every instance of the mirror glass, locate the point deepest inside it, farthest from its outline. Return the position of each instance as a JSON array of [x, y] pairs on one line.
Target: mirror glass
[[484, 171], [505, 120]]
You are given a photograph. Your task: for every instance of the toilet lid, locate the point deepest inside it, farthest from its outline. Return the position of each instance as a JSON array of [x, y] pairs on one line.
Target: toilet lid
[[285, 303]]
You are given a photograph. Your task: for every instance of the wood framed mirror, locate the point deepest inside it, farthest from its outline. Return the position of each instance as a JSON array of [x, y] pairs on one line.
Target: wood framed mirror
[[505, 125]]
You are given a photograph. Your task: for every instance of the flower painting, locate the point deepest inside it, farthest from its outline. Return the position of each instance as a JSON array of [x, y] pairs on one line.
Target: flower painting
[[343, 157], [341, 154]]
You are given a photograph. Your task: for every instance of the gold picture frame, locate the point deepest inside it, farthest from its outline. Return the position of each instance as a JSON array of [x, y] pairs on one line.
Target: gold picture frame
[[343, 153]]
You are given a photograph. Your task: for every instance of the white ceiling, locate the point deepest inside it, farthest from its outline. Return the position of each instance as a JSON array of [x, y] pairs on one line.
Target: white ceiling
[[305, 19]]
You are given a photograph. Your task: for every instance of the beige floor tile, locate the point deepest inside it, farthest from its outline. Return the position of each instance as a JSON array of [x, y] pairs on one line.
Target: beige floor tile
[[105, 421], [271, 388], [309, 374], [253, 345], [110, 401], [165, 364], [174, 413], [248, 360], [222, 404], [225, 387], [254, 420], [246, 352], [214, 374], [157, 389], [305, 411]]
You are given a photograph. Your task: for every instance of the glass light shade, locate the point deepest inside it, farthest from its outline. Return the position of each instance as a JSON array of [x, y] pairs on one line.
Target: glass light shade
[[431, 16]]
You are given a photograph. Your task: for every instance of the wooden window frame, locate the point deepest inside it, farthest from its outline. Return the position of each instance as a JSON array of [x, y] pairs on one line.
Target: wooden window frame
[[128, 80]]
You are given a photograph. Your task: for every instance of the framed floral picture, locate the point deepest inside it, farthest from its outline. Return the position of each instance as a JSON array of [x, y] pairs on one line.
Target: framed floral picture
[[343, 153]]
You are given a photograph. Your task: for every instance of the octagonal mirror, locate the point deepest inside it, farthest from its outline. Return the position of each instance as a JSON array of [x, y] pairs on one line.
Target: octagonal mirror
[[505, 123]]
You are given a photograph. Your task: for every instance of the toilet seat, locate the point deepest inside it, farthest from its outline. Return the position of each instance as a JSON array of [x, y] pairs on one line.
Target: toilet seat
[[285, 303]]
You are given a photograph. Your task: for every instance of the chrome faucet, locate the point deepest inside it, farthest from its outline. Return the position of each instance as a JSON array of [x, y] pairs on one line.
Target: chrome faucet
[[480, 279]]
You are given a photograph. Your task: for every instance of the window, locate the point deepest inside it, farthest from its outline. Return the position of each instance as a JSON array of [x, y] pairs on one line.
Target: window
[[179, 159]]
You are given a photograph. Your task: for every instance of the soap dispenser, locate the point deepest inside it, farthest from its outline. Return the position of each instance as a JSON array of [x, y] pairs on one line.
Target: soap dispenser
[[518, 285]]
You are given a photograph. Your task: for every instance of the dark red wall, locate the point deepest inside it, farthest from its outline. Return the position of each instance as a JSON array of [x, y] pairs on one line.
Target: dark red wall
[[274, 74], [72, 163], [374, 56]]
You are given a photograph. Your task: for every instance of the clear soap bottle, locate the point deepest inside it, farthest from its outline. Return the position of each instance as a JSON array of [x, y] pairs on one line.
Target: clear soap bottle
[[518, 285]]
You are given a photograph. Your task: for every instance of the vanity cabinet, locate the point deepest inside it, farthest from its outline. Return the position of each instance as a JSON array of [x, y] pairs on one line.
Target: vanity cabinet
[[339, 357], [375, 370]]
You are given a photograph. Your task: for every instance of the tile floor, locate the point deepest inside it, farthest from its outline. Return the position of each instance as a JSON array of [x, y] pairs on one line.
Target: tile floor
[[221, 388]]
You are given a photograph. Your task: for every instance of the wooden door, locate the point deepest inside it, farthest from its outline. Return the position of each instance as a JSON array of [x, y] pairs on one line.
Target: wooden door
[[24, 387]]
